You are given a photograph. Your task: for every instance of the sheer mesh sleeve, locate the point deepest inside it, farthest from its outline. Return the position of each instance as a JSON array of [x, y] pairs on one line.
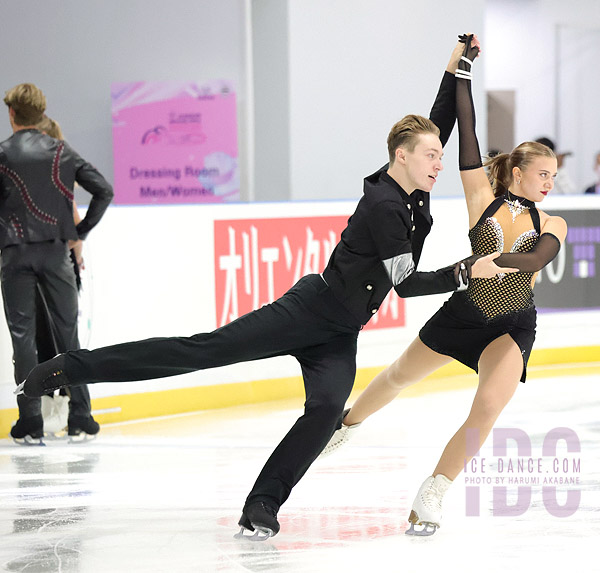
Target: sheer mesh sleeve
[[532, 261], [469, 156], [443, 111]]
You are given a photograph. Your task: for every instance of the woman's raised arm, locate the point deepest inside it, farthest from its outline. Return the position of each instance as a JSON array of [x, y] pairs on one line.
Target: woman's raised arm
[[477, 188]]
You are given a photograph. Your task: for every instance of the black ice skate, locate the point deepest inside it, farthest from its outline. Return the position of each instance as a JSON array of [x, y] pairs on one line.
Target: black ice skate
[[259, 518], [28, 431], [82, 428], [45, 378]]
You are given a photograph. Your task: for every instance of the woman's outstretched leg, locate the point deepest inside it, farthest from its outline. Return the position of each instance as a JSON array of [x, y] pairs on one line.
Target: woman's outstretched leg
[[415, 363]]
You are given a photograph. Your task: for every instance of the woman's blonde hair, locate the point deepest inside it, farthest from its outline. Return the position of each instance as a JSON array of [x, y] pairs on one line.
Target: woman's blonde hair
[[50, 127], [405, 133], [500, 167]]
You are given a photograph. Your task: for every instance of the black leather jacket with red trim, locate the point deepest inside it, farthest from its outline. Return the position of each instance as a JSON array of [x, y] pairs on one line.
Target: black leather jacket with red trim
[[37, 177]]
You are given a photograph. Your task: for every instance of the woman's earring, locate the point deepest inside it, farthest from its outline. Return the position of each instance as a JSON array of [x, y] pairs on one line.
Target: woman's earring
[[518, 182]]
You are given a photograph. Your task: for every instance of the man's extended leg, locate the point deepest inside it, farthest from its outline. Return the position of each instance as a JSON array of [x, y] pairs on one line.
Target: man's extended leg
[[275, 329]]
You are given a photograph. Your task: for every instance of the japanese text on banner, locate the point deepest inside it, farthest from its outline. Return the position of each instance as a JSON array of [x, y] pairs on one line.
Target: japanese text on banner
[[258, 260]]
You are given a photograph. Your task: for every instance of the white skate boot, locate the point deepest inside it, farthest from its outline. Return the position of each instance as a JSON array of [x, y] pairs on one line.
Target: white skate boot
[[427, 507], [340, 437]]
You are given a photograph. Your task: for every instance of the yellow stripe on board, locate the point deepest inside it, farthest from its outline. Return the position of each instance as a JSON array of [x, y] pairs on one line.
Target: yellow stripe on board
[[544, 363]]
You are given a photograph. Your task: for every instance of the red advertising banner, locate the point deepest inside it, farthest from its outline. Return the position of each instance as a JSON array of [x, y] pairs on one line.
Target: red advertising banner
[[258, 260]]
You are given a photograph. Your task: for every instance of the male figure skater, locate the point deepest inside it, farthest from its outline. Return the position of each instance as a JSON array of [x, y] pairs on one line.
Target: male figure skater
[[318, 320]]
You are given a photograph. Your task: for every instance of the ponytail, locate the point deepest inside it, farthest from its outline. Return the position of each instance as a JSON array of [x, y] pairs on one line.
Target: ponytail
[[499, 173], [500, 168]]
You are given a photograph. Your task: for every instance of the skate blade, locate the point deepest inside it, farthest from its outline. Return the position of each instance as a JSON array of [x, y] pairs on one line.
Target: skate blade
[[20, 389], [82, 438], [29, 441], [60, 436], [428, 527], [259, 534]]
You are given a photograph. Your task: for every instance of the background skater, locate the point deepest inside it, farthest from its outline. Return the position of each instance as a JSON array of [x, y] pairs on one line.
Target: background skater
[[37, 175]]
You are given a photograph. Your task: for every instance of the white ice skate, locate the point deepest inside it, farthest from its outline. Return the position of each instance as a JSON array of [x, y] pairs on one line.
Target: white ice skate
[[340, 437], [427, 507]]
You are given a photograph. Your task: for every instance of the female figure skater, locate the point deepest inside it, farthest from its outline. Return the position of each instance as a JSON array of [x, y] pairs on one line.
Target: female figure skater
[[490, 326]]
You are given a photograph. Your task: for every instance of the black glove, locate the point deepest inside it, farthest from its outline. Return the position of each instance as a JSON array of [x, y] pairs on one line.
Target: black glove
[[462, 271], [447, 279], [470, 52]]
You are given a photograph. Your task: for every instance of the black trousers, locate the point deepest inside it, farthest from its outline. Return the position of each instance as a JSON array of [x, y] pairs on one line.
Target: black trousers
[[307, 323], [31, 274]]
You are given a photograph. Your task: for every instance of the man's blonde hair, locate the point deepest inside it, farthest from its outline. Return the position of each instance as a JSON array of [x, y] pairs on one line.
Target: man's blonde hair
[[27, 102], [406, 133]]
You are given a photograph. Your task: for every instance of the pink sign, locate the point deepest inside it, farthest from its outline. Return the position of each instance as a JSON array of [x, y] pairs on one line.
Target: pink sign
[[257, 260], [174, 142]]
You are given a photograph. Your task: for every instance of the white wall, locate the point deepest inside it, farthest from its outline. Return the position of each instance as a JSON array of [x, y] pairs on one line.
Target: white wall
[[270, 70], [355, 69], [578, 86], [74, 50], [330, 76], [522, 54]]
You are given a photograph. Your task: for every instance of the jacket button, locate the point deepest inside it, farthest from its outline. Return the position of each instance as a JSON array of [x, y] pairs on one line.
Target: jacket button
[[373, 310], [369, 287], [420, 203], [413, 228], [408, 206]]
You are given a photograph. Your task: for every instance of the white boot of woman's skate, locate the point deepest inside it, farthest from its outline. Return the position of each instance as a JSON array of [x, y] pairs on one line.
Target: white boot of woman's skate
[[427, 507], [340, 437]]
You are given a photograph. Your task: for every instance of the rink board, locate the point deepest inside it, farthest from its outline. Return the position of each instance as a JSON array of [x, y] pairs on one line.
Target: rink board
[[152, 271]]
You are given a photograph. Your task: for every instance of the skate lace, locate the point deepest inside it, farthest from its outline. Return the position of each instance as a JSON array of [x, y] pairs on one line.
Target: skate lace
[[432, 497], [342, 434]]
